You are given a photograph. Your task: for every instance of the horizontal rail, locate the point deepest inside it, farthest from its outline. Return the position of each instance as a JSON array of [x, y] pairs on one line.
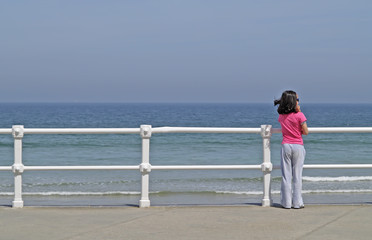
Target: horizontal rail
[[45, 168], [174, 167], [81, 130], [204, 130], [333, 130], [2, 168], [180, 130], [5, 131], [332, 166], [341, 130], [205, 167], [336, 166], [186, 167]]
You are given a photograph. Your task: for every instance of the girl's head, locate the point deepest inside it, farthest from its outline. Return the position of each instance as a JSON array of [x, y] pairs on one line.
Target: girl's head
[[287, 103]]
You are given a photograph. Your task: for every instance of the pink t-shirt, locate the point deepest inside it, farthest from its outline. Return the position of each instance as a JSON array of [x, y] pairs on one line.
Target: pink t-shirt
[[292, 127]]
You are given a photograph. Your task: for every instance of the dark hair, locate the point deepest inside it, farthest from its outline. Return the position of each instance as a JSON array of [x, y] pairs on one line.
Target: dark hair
[[287, 103]]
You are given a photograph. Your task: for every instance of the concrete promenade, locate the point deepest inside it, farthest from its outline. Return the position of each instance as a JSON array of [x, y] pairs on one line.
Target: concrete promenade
[[187, 222]]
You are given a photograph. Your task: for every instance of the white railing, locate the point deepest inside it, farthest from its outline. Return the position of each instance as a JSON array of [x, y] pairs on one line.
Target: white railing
[[145, 167]]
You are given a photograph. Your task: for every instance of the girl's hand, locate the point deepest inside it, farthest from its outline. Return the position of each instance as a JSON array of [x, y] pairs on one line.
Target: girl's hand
[[298, 108]]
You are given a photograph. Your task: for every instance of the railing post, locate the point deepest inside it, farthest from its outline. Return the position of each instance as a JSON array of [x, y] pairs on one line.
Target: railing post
[[18, 167], [266, 166], [145, 166]]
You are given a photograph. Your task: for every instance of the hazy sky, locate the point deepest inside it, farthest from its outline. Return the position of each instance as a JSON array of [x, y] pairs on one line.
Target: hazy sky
[[185, 51]]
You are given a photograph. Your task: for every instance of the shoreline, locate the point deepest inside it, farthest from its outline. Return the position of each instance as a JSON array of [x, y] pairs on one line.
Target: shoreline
[[186, 199]]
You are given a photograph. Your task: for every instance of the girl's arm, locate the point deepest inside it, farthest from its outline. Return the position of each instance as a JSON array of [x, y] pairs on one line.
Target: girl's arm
[[305, 131]]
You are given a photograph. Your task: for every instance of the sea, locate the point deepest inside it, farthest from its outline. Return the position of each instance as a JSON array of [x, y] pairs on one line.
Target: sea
[[179, 187]]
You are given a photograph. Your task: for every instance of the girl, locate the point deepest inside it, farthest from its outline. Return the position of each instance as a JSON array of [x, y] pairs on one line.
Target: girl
[[293, 123]]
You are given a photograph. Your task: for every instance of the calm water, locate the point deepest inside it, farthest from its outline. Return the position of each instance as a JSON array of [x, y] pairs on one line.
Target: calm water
[[116, 187]]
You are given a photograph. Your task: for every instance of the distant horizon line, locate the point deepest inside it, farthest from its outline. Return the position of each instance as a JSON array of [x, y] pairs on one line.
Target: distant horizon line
[[156, 102]]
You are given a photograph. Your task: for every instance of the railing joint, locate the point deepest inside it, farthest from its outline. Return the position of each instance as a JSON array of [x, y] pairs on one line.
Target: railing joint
[[18, 168], [266, 131], [146, 131], [145, 167], [18, 131], [267, 167]]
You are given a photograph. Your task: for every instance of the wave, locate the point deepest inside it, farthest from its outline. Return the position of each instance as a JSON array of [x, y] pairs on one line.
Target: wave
[[129, 193], [194, 180], [304, 191], [244, 193], [63, 184], [113, 193], [338, 191], [275, 179], [211, 179], [337, 179]]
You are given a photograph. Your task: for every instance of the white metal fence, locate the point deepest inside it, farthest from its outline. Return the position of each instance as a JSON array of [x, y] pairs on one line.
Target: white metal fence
[[145, 167]]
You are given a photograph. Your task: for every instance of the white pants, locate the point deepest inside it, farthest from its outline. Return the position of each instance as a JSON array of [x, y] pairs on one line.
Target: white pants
[[292, 162]]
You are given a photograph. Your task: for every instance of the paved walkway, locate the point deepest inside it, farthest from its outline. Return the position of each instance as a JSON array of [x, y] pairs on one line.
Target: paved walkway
[[190, 222]]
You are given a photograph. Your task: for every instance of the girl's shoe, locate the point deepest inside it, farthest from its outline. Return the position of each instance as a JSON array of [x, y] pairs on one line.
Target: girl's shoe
[[302, 206]]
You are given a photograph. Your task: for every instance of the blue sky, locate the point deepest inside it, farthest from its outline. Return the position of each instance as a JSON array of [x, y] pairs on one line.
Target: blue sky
[[185, 51]]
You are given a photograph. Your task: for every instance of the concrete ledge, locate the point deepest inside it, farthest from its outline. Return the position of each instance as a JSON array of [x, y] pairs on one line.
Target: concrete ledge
[[204, 222]]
